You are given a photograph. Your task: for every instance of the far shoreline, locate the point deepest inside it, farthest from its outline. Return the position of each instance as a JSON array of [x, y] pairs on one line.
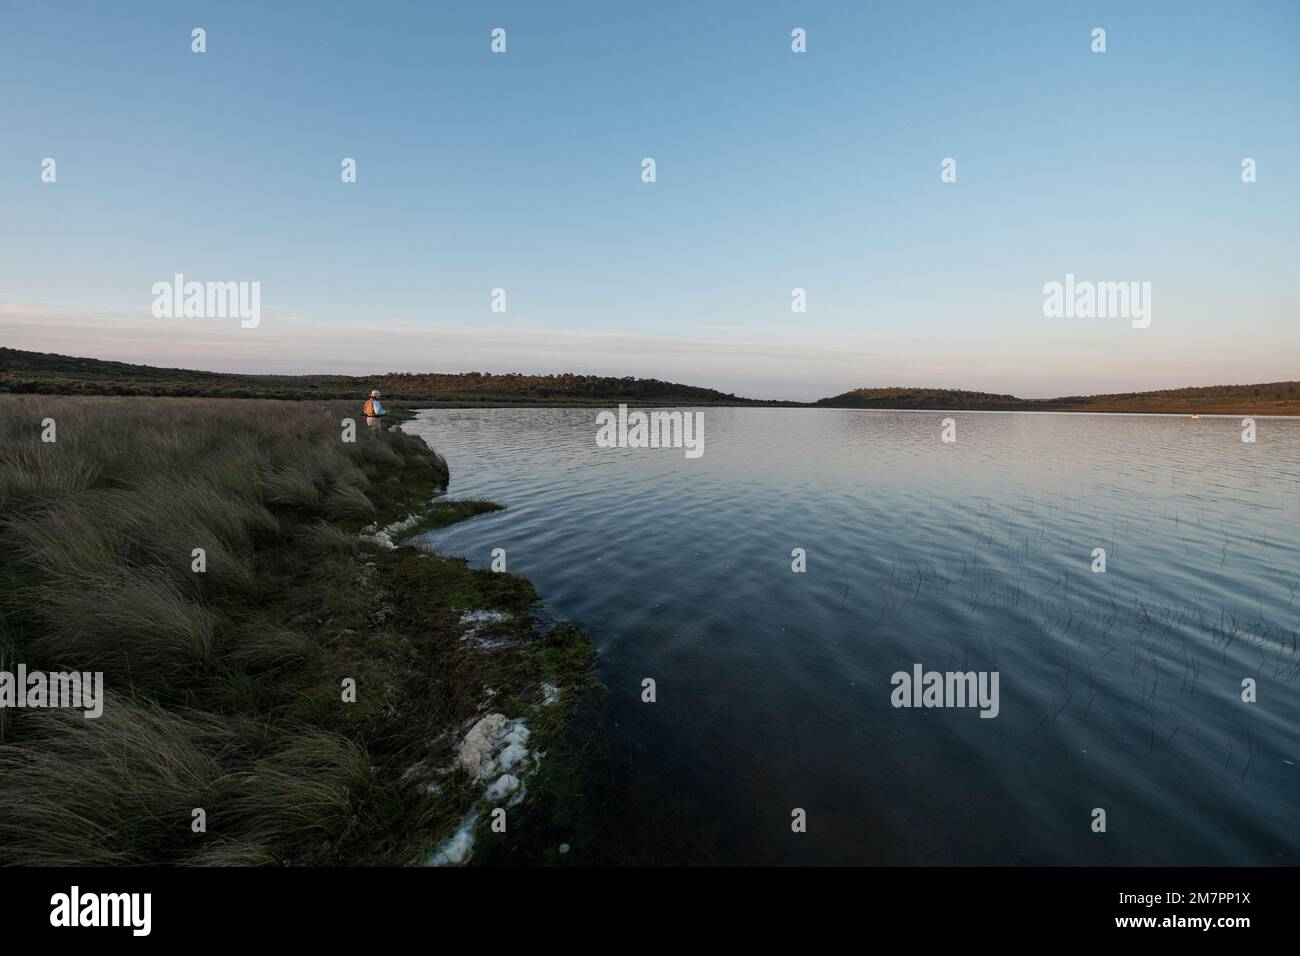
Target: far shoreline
[[41, 373], [811, 406]]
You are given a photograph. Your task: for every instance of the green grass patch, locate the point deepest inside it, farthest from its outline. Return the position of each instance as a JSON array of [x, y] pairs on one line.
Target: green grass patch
[[441, 513]]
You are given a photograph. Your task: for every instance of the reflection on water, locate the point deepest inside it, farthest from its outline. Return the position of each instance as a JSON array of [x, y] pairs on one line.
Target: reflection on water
[[1119, 690]]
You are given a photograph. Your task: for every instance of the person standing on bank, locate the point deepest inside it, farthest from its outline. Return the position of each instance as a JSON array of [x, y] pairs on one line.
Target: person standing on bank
[[375, 412]]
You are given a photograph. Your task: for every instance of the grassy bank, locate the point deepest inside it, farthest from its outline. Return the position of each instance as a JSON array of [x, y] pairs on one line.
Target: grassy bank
[[227, 688]]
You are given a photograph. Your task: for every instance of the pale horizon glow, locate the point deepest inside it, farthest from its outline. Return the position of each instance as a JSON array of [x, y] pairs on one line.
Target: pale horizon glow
[[288, 345]]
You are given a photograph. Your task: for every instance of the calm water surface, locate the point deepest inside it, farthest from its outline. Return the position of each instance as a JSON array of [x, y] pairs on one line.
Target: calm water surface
[[1119, 690]]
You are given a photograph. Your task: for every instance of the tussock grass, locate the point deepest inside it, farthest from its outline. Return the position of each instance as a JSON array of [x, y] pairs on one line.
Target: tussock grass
[[122, 790], [291, 489], [348, 503], [27, 472], [133, 623], [325, 537], [207, 671], [115, 791]]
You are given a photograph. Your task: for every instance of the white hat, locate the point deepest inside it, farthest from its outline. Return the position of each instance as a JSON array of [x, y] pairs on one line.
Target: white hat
[[374, 393]]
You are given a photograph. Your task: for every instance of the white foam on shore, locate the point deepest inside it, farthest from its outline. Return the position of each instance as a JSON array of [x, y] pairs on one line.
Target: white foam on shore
[[458, 847], [505, 785], [384, 536], [494, 743], [476, 622], [493, 747]]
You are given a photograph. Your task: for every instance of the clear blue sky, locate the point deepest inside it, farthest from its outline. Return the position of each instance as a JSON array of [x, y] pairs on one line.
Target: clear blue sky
[[775, 170]]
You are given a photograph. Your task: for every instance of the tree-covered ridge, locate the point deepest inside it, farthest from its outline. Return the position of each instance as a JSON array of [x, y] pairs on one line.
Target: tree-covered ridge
[[1271, 398], [900, 397], [46, 373]]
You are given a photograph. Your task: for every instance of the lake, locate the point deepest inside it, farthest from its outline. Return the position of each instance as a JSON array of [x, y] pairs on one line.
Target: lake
[[1119, 690]]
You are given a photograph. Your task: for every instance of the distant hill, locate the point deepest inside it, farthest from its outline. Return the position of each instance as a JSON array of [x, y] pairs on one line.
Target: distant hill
[[934, 398], [1272, 398], [45, 373]]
